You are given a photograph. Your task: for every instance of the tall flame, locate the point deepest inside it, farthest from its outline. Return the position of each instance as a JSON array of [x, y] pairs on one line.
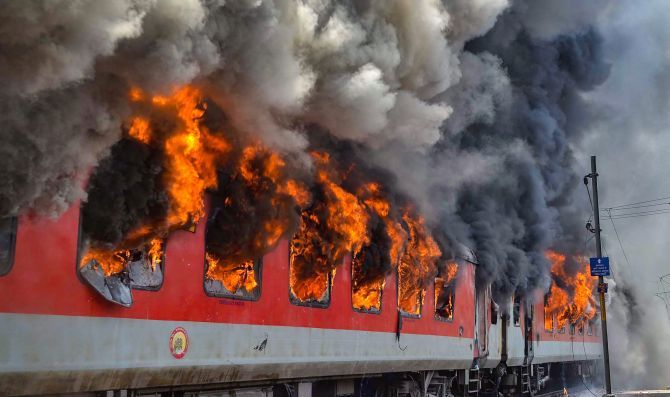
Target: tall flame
[[340, 215], [334, 226], [261, 172], [192, 153], [445, 292], [417, 264], [570, 297], [366, 290], [368, 280]]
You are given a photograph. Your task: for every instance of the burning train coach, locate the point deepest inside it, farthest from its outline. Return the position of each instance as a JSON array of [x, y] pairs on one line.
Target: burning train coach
[[201, 260]]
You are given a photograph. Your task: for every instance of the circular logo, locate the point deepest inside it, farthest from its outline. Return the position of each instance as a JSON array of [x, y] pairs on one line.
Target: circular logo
[[178, 342]]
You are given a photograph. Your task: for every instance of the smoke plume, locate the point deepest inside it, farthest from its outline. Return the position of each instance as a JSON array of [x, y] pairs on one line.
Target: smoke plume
[[477, 115], [467, 112], [628, 120]]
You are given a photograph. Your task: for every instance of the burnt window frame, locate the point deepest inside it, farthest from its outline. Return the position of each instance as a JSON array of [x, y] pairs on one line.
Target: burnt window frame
[[580, 328], [516, 310], [402, 312], [258, 270], [589, 328], [364, 311], [13, 229], [313, 304], [438, 317], [495, 312], [561, 330], [77, 268], [572, 329]]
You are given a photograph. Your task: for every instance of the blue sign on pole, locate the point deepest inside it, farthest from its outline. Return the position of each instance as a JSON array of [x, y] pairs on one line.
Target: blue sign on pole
[[600, 266]]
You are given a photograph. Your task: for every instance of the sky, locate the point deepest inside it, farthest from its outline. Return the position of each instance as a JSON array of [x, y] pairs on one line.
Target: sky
[[632, 145]]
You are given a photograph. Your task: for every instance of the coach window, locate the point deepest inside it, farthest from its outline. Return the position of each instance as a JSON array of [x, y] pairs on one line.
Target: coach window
[[549, 318], [310, 273], [580, 328], [232, 279], [572, 329], [367, 281], [445, 292], [516, 310], [561, 330], [7, 244], [410, 295], [227, 276], [495, 312], [589, 328]]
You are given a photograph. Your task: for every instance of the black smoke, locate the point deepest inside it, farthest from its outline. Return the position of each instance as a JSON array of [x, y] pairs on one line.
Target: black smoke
[[518, 214], [125, 192]]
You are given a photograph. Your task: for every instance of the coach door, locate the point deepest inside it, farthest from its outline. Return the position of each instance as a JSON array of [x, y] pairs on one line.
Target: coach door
[[481, 319], [529, 350]]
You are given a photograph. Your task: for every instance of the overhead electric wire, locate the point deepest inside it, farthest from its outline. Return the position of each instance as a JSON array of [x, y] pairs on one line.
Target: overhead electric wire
[[638, 202], [620, 244], [639, 214], [634, 207]]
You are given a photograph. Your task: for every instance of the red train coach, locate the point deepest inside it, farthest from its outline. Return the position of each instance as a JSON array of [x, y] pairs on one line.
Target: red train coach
[[59, 336]]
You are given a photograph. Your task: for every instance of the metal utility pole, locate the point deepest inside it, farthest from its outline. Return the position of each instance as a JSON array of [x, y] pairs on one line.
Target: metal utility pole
[[601, 284]]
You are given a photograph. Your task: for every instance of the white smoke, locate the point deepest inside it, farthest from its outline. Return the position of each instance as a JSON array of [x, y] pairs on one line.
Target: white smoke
[[367, 71], [47, 45]]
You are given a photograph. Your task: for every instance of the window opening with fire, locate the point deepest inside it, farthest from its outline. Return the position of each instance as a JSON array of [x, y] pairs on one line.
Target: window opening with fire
[[311, 269], [445, 291], [367, 281], [229, 273], [232, 279], [416, 267], [410, 295], [7, 244], [118, 247]]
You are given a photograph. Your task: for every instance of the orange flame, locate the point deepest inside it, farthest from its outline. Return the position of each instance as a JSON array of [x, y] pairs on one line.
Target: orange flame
[[111, 261], [262, 171], [333, 227], [417, 264], [445, 291], [570, 297], [234, 276], [139, 130], [366, 292], [155, 252], [115, 261], [192, 154], [368, 283], [336, 224]]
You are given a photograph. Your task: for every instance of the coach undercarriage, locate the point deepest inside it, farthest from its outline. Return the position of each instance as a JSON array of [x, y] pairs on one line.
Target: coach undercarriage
[[544, 380]]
